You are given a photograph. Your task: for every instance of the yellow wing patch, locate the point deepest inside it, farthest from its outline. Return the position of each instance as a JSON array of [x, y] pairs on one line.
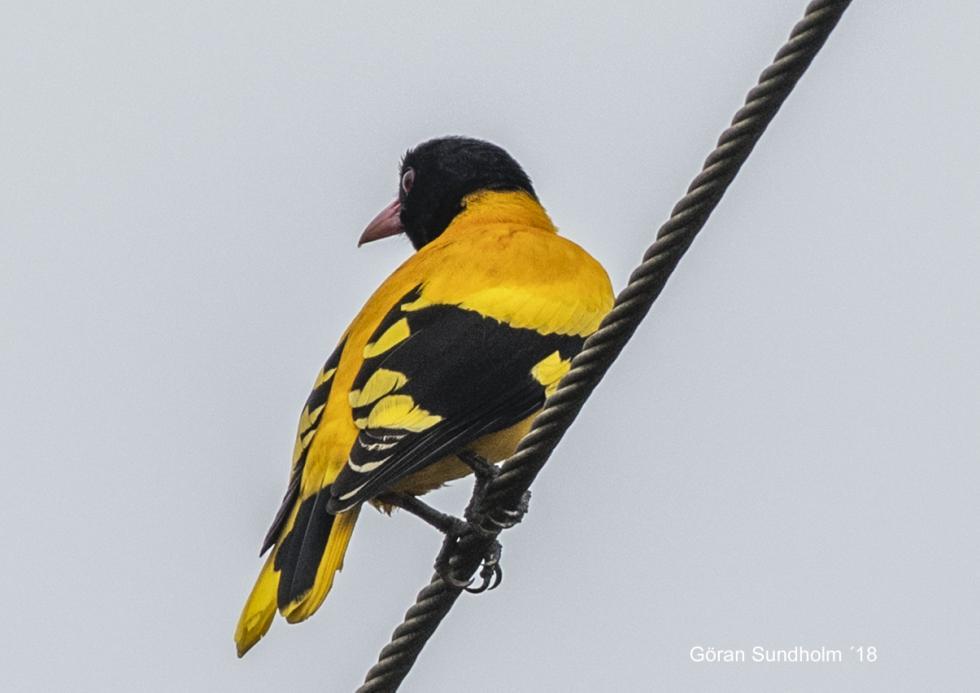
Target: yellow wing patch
[[395, 334], [310, 419], [381, 383], [399, 412], [549, 370], [324, 376]]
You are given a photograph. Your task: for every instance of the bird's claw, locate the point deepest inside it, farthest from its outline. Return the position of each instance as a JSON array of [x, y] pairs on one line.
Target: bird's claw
[[491, 574]]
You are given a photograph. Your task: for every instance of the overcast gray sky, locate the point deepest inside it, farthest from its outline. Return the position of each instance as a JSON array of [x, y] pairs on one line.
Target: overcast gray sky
[[786, 454]]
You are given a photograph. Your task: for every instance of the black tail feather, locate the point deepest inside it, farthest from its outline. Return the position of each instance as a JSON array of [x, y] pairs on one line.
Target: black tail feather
[[302, 548]]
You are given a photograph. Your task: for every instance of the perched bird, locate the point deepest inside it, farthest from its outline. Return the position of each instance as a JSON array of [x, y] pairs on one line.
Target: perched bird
[[443, 370]]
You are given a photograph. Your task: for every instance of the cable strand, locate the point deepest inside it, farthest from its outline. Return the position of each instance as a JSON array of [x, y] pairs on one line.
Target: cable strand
[[673, 239]]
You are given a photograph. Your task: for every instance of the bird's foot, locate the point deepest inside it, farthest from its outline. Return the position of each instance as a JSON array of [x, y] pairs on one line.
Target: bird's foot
[[496, 520], [500, 518], [491, 574], [453, 528]]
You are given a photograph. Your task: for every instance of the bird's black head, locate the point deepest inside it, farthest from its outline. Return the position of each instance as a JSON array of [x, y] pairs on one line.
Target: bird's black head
[[433, 180]]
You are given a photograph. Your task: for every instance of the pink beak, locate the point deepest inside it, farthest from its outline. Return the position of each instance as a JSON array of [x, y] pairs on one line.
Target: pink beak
[[387, 223]]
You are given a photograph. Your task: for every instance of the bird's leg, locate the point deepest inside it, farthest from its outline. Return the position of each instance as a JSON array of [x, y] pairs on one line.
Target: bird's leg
[[444, 522], [485, 472], [482, 469], [454, 528]]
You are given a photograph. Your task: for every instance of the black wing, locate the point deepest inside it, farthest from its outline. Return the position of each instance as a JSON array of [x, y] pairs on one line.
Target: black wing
[[435, 379]]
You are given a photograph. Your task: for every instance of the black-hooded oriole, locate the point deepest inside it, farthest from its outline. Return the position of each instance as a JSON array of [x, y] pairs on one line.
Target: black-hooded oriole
[[454, 353]]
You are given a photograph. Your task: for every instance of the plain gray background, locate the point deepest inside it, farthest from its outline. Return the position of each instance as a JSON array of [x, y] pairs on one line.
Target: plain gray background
[[785, 454]]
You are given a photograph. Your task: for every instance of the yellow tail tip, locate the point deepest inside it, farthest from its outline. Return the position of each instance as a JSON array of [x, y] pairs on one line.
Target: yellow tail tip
[[259, 609], [246, 636], [242, 648], [261, 606]]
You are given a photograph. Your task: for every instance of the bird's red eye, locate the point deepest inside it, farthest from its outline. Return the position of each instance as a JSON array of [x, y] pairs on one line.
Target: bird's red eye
[[408, 178]]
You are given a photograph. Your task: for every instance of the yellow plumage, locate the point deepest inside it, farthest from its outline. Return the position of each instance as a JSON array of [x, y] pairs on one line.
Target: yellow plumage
[[501, 259]]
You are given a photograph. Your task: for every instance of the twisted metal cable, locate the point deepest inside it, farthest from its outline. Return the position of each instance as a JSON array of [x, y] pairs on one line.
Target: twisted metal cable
[[601, 349]]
